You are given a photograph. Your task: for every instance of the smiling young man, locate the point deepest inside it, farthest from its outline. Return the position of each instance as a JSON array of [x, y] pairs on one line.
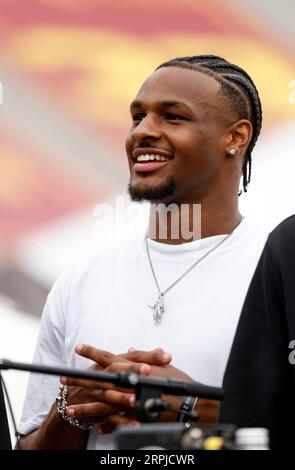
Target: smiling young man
[[195, 122]]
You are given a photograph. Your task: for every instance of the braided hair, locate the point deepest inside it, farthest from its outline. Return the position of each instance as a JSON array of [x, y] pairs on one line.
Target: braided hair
[[237, 87]]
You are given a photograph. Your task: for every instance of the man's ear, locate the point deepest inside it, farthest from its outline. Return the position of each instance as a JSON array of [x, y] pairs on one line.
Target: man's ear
[[239, 136]]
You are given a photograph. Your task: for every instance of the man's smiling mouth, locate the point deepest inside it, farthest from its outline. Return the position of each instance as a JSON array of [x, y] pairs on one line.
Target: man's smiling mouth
[[149, 159]]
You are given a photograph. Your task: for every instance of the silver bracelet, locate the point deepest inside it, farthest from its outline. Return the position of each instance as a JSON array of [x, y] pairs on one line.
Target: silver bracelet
[[62, 404]]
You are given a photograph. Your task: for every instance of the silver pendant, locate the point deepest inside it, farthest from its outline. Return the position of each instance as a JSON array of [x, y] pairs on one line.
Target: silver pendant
[[158, 310]]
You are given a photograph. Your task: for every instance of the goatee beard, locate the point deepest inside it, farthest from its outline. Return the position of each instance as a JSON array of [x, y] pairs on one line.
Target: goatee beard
[[158, 194]]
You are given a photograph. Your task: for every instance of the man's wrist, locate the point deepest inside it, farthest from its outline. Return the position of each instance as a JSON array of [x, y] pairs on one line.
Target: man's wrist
[[62, 405]]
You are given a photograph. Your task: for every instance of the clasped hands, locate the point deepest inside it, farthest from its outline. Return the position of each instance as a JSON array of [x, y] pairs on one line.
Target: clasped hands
[[104, 403], [109, 406]]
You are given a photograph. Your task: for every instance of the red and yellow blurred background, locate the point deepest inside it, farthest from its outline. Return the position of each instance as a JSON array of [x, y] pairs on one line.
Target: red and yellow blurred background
[[73, 66], [69, 69]]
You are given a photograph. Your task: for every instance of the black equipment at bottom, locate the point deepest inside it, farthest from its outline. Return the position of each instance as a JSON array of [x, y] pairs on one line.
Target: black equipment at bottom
[[179, 436]]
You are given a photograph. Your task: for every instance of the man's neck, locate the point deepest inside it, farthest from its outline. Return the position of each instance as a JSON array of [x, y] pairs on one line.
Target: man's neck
[[183, 223]]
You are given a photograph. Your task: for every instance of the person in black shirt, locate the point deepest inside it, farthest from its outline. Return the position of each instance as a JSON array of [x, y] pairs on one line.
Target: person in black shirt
[[259, 380]]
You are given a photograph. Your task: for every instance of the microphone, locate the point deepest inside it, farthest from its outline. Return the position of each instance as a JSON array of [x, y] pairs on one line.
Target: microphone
[[148, 389], [123, 379]]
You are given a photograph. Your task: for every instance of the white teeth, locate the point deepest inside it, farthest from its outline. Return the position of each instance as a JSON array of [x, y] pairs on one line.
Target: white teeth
[[148, 157]]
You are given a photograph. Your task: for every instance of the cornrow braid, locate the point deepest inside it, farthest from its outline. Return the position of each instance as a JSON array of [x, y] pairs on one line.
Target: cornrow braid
[[238, 87]]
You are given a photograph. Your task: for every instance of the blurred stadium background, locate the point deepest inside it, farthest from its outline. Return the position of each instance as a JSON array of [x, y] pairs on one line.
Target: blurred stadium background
[[69, 69]]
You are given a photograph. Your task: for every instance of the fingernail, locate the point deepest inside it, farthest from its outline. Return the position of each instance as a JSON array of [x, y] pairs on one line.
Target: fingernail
[[70, 411], [160, 350], [63, 380], [166, 357], [145, 369], [131, 401], [79, 348], [131, 349]]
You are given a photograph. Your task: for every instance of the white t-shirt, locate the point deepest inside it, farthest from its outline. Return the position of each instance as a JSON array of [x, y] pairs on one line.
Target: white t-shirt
[[106, 305]]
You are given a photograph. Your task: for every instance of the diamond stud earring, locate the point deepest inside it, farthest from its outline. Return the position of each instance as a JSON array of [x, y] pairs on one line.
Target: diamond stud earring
[[232, 152]]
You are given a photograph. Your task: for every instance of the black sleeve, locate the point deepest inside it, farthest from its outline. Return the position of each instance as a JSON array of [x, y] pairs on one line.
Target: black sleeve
[[259, 380]]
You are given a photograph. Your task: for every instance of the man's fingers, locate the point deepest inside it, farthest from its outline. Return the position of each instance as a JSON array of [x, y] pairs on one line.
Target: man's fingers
[[92, 409], [110, 397], [140, 369], [113, 397], [137, 368], [156, 357], [104, 358], [72, 381]]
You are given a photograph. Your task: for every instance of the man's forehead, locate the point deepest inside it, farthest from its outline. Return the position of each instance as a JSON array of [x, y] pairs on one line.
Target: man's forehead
[[175, 84]]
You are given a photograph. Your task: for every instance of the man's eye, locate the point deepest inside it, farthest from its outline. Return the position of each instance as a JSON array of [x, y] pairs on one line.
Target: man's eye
[[138, 117], [173, 117]]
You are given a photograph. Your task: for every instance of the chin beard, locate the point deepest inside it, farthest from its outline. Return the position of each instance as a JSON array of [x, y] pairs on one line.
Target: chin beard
[[158, 194]]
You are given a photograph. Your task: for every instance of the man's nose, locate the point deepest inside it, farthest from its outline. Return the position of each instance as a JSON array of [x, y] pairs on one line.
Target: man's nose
[[147, 128]]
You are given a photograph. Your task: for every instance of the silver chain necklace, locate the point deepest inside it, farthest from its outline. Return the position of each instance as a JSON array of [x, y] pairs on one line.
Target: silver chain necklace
[[158, 307]]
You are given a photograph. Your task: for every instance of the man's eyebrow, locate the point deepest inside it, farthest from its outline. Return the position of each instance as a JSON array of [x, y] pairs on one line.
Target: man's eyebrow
[[167, 103], [136, 104], [176, 104]]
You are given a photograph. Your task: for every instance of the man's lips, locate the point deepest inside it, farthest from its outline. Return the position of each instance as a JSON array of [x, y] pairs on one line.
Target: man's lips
[[150, 165]]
